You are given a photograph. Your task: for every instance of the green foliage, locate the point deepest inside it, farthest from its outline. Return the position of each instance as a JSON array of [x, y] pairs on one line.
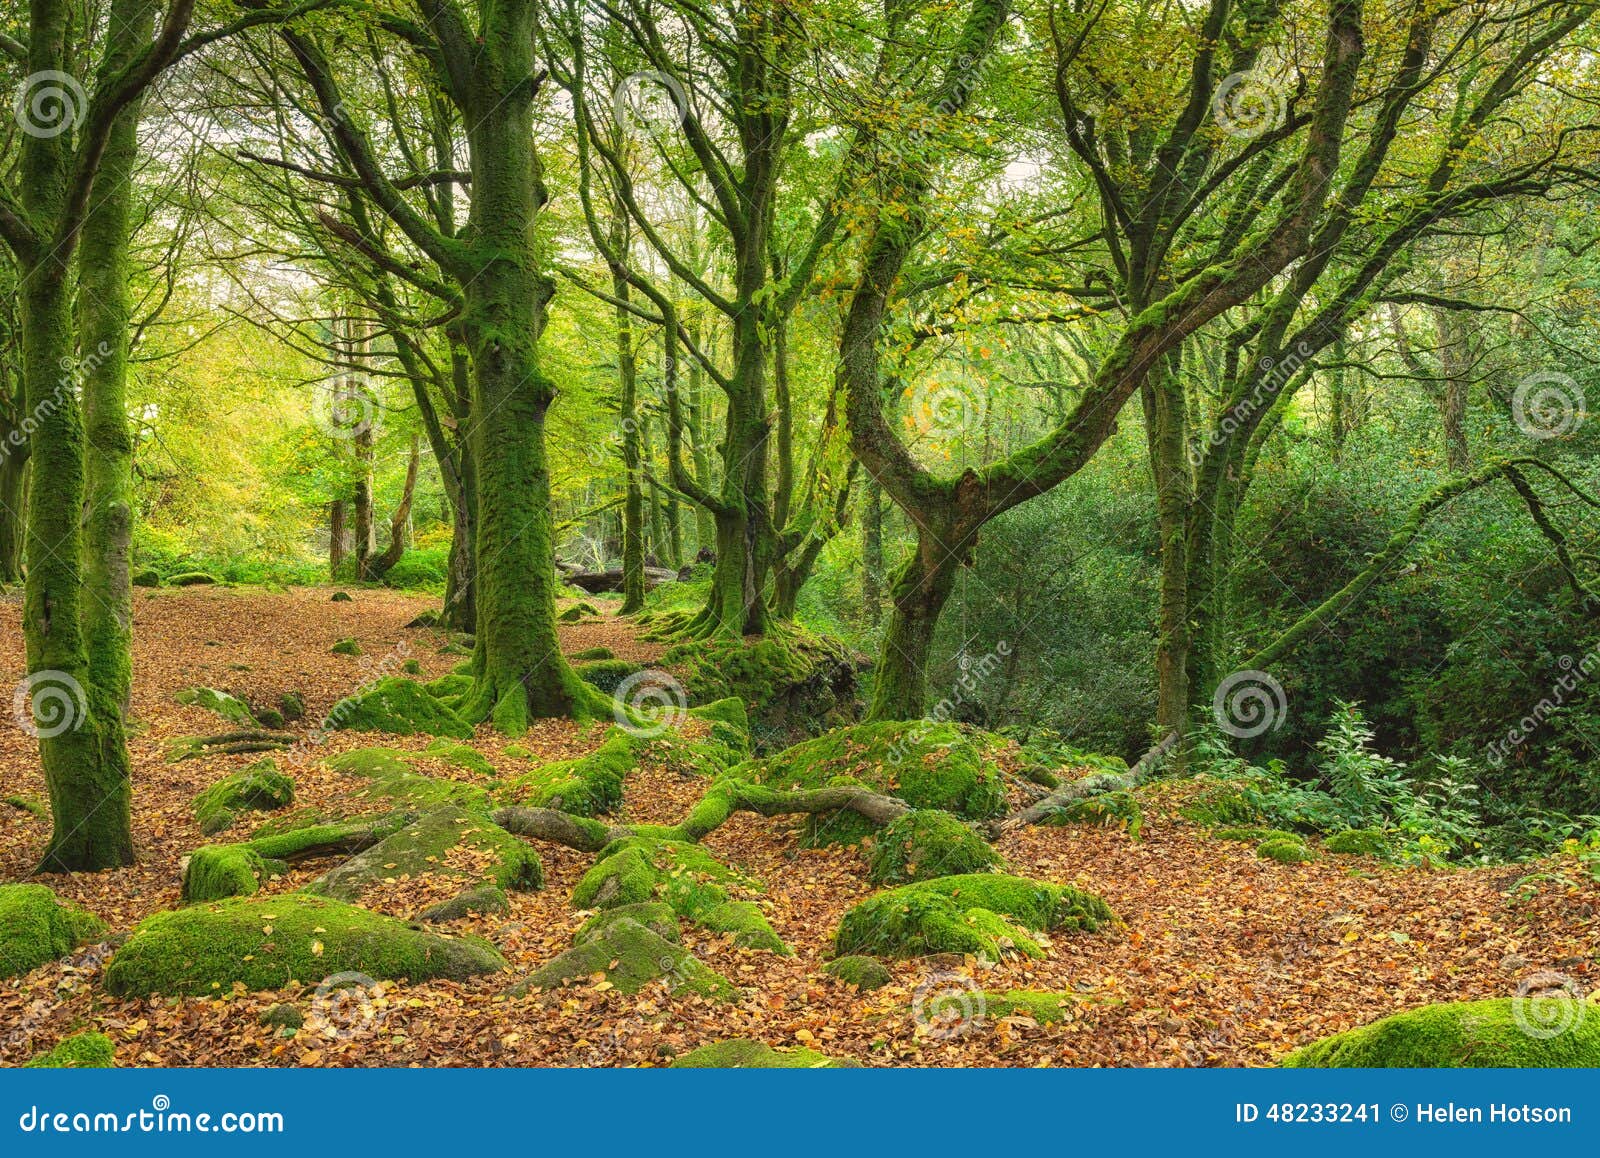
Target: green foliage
[[1285, 851], [1109, 810]]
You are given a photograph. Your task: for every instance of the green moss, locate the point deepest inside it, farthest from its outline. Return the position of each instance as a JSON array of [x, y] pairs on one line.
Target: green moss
[[1251, 835], [925, 843], [82, 1051], [1220, 804], [1045, 1008], [260, 788], [631, 957], [1291, 851], [421, 849], [590, 653], [730, 722], [412, 667], [282, 1016], [225, 870], [449, 688], [657, 916], [229, 707], [788, 672], [461, 756], [1460, 1035], [485, 898], [32, 805], [928, 765], [865, 973], [287, 842], [1111, 810], [588, 786], [1360, 842], [36, 928], [266, 942], [400, 707], [375, 763], [346, 647], [146, 578], [740, 1054], [606, 674], [292, 705], [191, 579], [269, 717], [980, 913], [640, 868], [747, 924]]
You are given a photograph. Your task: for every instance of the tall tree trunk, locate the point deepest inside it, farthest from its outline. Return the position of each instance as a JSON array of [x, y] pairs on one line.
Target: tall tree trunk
[[628, 415], [1166, 432], [400, 521], [337, 536], [13, 497], [919, 590]]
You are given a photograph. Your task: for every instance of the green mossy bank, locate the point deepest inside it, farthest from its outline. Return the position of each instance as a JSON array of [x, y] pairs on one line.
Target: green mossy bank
[[1500, 1033], [36, 928]]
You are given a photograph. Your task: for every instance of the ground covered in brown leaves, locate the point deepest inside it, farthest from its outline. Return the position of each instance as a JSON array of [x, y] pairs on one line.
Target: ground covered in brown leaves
[[1220, 958]]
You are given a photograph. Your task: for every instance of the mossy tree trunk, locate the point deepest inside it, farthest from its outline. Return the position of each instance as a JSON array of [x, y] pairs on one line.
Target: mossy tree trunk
[[629, 419]]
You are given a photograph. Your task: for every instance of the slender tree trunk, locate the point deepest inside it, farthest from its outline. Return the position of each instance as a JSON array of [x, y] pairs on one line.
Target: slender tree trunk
[[919, 591], [628, 414], [13, 496], [1166, 432], [336, 537], [872, 552]]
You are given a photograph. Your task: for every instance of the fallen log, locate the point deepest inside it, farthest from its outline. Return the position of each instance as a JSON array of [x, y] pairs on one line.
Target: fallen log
[[1085, 787], [595, 582]]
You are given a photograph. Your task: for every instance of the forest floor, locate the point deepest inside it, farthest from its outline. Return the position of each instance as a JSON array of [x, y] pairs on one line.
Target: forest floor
[[1219, 959]]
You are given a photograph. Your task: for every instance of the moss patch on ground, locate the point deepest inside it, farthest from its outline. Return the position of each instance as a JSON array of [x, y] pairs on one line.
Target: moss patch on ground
[[1360, 842], [229, 707], [1290, 851], [82, 1051], [588, 786], [926, 843], [1458, 1035], [631, 956], [865, 973], [400, 707], [988, 914], [266, 942], [260, 787], [446, 842], [37, 928], [226, 870], [1045, 1008], [740, 1054]]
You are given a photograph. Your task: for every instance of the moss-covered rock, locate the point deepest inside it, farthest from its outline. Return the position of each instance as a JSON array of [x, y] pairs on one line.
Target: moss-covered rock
[[926, 843], [347, 647], [341, 597], [89, 1050], [400, 707], [1458, 1035], [928, 765], [226, 870], [1109, 810], [486, 898], [631, 957], [588, 786], [741, 1054], [282, 1016], [685, 876], [657, 916], [746, 924], [259, 788], [266, 942], [36, 928], [412, 667], [460, 756], [445, 843], [1045, 1008], [1251, 835], [146, 578], [988, 914], [374, 763], [1360, 842], [192, 579], [592, 653], [229, 707], [293, 706], [1291, 851], [865, 973], [606, 674]]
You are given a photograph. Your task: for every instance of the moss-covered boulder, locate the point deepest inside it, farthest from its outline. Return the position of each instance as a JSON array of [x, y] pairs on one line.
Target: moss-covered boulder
[[259, 788], [229, 707], [346, 647], [657, 916], [928, 765], [1360, 842], [266, 942], [88, 1050], [1219, 803], [146, 578], [1460, 1035], [741, 1054], [1045, 1008], [636, 869], [447, 844], [400, 707], [192, 579], [606, 674], [292, 706], [631, 957], [988, 914], [486, 898], [587, 786], [1108, 810], [36, 928], [865, 973], [746, 924], [927, 843], [592, 653], [226, 870], [1290, 851]]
